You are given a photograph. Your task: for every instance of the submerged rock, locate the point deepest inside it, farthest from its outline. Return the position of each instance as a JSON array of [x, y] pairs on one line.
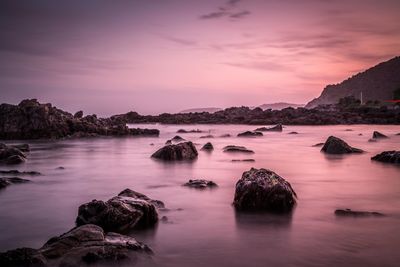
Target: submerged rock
[[16, 172], [263, 190], [6, 181], [243, 160], [177, 138], [276, 128], [189, 131], [293, 133], [318, 144], [225, 135], [249, 134], [388, 157], [200, 184], [11, 155], [129, 210], [208, 146], [232, 148], [353, 213], [207, 136], [334, 145], [378, 135], [181, 151], [87, 244]]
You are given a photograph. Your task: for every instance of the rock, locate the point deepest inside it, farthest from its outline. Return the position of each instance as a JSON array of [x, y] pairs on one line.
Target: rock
[[78, 114], [276, 128], [200, 184], [129, 210], [15, 159], [318, 144], [232, 148], [378, 135], [190, 131], [249, 134], [352, 213], [60, 168], [263, 190], [207, 136], [11, 155], [6, 181], [348, 130], [208, 146], [360, 134], [168, 142], [225, 135], [87, 244], [144, 132], [334, 145], [16, 172], [243, 160], [372, 140], [293, 133], [177, 138], [388, 157], [181, 151], [22, 147]]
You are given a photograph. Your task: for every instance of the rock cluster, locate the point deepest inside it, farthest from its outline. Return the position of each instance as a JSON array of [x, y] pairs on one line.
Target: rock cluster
[[13, 154], [181, 151], [378, 135], [388, 157], [334, 145]]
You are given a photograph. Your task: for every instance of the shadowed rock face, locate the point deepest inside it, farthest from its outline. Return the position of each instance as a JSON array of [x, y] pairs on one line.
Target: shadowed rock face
[[276, 128], [249, 134], [208, 146], [87, 244], [377, 135], [200, 184], [127, 211], [354, 213], [388, 157], [334, 145], [181, 151], [263, 190]]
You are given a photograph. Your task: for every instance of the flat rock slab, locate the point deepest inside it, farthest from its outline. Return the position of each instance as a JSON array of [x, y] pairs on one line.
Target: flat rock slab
[[355, 213], [200, 184], [241, 149], [250, 134]]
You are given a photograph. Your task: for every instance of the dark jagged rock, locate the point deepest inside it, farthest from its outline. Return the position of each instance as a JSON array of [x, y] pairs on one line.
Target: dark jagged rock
[[129, 210], [6, 181], [249, 134], [177, 138], [388, 157], [276, 128], [232, 148], [181, 151], [78, 114], [11, 155], [16, 172], [200, 184], [33, 120], [378, 135], [190, 131], [318, 144], [263, 190], [208, 146], [334, 145], [87, 244], [353, 213], [207, 136], [168, 142], [293, 133], [243, 160]]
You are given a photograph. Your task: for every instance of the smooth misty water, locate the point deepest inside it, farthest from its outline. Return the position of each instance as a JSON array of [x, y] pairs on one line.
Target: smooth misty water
[[204, 229]]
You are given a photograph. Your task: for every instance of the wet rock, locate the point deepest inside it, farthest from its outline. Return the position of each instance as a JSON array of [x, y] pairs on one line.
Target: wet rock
[[22, 147], [249, 134], [378, 135], [60, 168], [200, 184], [243, 160], [6, 181], [388, 157], [190, 131], [78, 114], [348, 130], [232, 148], [207, 136], [334, 145], [318, 144], [208, 146], [144, 132], [353, 213], [11, 155], [181, 151], [129, 210], [87, 244], [263, 190], [293, 133], [276, 128], [168, 142], [15, 159], [177, 138], [371, 140], [225, 135], [16, 172]]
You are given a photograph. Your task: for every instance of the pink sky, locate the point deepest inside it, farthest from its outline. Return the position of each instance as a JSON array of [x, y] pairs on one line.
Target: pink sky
[[110, 57]]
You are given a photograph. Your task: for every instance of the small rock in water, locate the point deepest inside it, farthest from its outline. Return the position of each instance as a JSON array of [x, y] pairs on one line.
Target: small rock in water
[[318, 144], [6, 181], [225, 135], [16, 172], [208, 146], [353, 213], [232, 148], [276, 128], [371, 140], [200, 184], [360, 134], [388, 157], [177, 138], [334, 145], [348, 130], [378, 135], [207, 136], [190, 131], [181, 151], [263, 190], [11, 155], [293, 133], [249, 134], [243, 160]]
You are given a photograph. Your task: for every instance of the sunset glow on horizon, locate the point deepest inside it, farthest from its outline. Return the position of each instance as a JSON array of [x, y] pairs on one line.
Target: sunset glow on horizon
[[165, 56]]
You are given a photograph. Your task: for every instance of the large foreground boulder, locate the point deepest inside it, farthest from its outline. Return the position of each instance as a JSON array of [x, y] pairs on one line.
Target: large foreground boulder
[[263, 190], [334, 145], [181, 151], [84, 245], [388, 157], [129, 210]]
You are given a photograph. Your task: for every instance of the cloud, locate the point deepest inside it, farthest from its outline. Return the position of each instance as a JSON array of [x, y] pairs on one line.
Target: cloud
[[180, 41], [228, 10], [260, 65]]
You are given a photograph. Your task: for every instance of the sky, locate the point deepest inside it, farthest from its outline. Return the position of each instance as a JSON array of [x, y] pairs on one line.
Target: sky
[[154, 56]]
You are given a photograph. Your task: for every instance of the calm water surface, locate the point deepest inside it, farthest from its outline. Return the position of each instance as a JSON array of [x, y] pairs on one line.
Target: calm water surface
[[203, 228]]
